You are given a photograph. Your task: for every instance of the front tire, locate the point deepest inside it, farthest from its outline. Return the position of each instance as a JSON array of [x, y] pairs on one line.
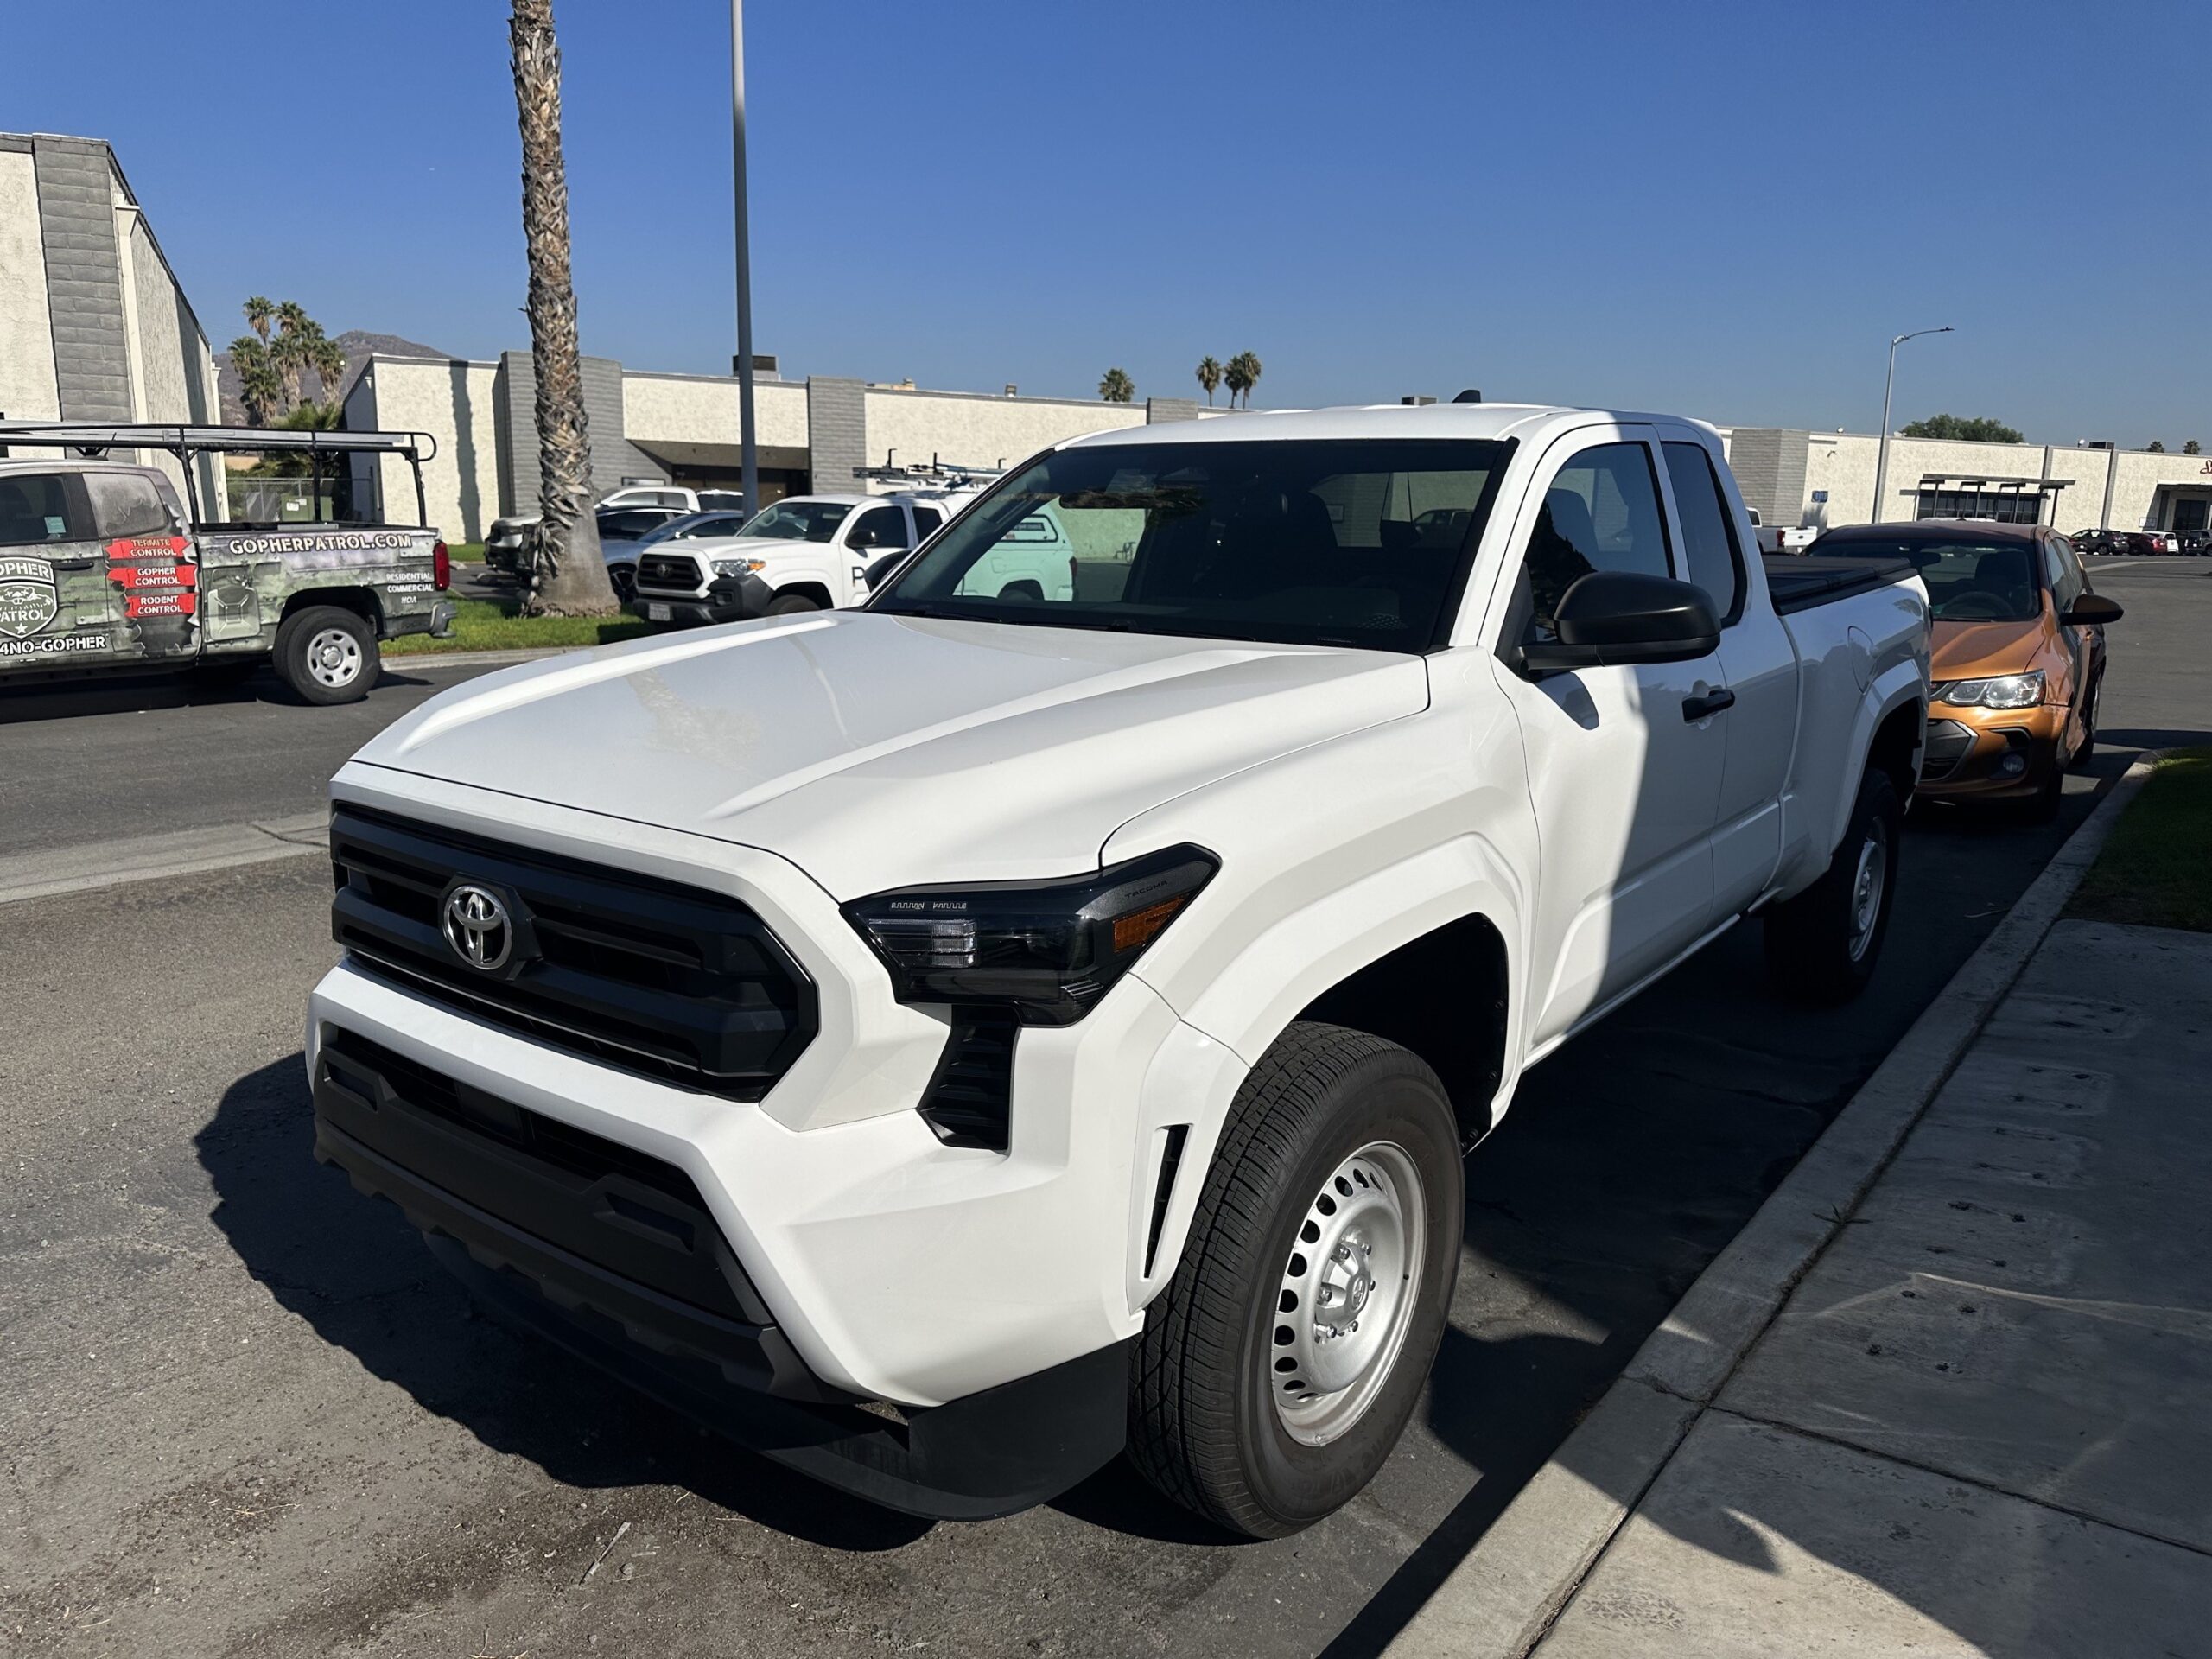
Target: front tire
[[1278, 1367], [790, 605], [327, 655], [1821, 946]]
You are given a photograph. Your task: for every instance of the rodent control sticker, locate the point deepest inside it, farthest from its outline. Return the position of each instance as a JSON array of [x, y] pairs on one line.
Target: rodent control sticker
[[28, 599]]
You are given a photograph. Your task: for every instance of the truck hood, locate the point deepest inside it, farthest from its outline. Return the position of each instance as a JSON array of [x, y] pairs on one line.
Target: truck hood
[[878, 752]]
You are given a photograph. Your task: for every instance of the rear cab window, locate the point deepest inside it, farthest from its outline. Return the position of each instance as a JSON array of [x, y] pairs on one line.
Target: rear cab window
[[1712, 557]]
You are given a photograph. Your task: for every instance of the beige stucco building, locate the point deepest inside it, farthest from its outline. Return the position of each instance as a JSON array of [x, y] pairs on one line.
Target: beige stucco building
[[94, 323]]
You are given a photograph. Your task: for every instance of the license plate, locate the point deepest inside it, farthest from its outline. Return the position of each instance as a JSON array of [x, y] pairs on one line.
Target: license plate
[[656, 613]]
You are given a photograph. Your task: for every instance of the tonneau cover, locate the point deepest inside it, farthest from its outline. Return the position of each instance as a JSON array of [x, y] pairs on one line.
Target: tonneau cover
[[1798, 583]]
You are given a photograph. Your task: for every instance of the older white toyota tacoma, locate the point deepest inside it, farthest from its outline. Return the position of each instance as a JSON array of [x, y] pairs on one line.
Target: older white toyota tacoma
[[945, 1042]]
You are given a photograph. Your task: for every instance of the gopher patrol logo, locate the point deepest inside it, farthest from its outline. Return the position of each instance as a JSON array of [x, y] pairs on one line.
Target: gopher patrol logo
[[29, 600]]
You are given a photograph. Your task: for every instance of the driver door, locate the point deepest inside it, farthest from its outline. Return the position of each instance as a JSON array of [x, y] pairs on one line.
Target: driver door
[[1625, 771]]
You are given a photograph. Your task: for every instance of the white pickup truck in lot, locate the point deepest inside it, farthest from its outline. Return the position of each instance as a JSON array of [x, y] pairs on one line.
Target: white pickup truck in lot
[[945, 1042]]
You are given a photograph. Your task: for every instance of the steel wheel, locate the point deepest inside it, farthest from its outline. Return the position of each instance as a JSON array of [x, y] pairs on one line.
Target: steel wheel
[[333, 657], [1348, 1291], [1866, 884]]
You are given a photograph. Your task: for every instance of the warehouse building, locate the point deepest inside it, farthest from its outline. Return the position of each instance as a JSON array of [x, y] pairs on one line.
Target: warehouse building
[[94, 323]]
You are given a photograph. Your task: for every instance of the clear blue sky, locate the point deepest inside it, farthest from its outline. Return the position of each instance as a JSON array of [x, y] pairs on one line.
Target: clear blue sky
[[1724, 209]]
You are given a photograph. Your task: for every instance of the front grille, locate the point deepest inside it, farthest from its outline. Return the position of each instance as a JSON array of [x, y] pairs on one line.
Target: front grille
[[1947, 743], [668, 571], [671, 982]]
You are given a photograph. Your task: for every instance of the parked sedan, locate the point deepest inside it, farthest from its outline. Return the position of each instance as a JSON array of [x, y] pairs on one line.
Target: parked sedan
[[2099, 544], [2017, 654]]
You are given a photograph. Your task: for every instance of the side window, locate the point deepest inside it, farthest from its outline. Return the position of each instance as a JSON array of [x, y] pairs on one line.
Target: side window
[[926, 520], [127, 504], [2067, 581], [1711, 555], [879, 527], [37, 507], [1600, 513]]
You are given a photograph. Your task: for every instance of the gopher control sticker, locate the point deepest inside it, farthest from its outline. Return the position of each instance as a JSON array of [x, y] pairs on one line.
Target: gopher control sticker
[[29, 600]]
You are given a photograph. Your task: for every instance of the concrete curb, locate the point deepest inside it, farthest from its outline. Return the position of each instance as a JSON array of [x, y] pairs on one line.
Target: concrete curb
[[151, 858], [1503, 1597], [396, 661]]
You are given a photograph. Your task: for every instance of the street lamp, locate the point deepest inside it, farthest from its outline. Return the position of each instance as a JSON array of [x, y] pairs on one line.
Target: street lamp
[[748, 455], [1882, 462]]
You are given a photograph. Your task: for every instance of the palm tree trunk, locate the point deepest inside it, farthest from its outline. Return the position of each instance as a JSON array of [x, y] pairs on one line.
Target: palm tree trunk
[[569, 578]]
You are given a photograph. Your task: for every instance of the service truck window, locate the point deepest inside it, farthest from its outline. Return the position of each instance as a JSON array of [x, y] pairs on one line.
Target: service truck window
[[1601, 513], [1295, 540], [42, 507], [799, 521], [1711, 557], [127, 504]]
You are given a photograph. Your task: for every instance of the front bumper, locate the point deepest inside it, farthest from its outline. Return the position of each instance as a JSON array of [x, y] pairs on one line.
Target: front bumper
[[726, 599], [614, 1257], [1991, 754]]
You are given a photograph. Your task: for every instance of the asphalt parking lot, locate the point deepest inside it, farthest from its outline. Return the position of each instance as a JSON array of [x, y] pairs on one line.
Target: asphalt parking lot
[[244, 1413]]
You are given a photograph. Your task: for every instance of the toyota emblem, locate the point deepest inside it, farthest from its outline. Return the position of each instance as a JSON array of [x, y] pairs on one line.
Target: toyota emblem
[[478, 927]]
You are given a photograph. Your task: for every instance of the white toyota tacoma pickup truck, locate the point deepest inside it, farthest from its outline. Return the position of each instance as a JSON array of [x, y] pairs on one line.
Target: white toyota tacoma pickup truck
[[944, 1042]]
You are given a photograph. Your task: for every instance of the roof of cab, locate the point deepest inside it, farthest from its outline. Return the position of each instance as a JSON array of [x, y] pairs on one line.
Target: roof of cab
[[1476, 421]]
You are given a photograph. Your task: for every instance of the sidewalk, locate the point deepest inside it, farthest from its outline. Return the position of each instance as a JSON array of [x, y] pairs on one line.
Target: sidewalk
[[1982, 1421]]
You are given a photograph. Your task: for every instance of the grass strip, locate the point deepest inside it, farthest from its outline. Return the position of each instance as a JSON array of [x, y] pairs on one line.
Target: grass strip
[[2156, 870]]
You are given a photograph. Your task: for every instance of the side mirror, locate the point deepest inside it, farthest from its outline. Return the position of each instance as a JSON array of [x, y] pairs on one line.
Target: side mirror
[[879, 568], [1613, 618], [2092, 609]]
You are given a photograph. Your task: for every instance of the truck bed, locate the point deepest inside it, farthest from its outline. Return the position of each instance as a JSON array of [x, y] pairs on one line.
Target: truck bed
[[1798, 582]]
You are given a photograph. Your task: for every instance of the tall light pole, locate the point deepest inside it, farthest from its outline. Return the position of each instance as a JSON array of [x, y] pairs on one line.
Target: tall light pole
[[750, 461], [1882, 461]]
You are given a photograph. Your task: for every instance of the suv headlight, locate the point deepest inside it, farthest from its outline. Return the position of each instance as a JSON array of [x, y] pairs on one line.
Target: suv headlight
[[734, 567], [2006, 691], [1049, 950]]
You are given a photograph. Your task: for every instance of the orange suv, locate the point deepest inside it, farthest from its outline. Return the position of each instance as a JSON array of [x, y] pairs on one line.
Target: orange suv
[[2018, 658]]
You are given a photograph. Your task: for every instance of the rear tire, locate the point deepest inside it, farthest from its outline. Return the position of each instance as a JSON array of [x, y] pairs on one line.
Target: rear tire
[[1822, 945], [327, 655], [790, 605], [1241, 1408]]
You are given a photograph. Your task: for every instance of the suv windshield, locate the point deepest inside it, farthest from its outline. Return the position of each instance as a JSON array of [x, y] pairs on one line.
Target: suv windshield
[[1349, 542], [799, 521], [1967, 581]]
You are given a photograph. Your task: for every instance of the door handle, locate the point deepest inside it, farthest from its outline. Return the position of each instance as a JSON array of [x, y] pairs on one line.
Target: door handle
[[1712, 702], [73, 564]]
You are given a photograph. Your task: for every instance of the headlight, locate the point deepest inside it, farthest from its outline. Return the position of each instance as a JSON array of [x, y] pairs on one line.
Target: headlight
[[1049, 949], [2006, 691], [734, 567]]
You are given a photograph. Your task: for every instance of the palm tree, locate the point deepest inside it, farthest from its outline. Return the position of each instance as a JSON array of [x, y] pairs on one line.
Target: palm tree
[[328, 359], [259, 310], [1208, 376], [1233, 376], [1115, 387], [1246, 366], [259, 385], [568, 574]]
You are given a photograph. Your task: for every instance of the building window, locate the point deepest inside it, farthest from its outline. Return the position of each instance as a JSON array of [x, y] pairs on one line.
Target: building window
[[2005, 506]]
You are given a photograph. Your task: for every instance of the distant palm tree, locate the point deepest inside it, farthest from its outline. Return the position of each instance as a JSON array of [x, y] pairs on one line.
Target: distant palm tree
[[259, 384], [258, 311], [1116, 387], [328, 359], [1245, 366], [568, 573], [1208, 376], [1233, 376]]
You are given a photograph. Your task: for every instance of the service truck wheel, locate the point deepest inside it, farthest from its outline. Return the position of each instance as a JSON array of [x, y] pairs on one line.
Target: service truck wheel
[[790, 604], [1277, 1368], [327, 654], [1821, 946]]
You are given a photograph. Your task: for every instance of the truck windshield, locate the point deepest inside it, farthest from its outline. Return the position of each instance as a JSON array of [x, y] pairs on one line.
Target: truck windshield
[[1966, 582], [1350, 541], [799, 521]]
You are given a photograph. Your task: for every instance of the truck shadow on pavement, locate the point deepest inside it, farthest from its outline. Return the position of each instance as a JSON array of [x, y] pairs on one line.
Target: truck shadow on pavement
[[358, 1272]]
